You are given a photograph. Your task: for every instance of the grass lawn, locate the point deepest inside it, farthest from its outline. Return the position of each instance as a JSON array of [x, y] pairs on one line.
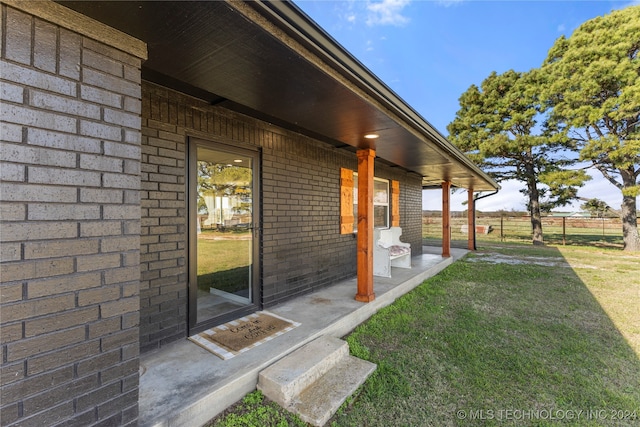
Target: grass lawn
[[223, 262], [518, 230], [510, 335]]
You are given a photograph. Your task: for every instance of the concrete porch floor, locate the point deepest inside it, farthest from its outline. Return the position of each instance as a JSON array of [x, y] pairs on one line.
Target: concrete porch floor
[[184, 385]]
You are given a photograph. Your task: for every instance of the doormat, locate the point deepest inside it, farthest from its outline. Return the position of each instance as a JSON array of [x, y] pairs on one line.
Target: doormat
[[235, 337]]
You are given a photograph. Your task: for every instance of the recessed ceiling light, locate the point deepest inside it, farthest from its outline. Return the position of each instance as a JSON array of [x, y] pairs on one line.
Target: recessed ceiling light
[[372, 136], [237, 161]]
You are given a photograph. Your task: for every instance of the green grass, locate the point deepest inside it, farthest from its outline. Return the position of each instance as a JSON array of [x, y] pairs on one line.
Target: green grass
[[223, 264], [255, 411], [518, 230], [547, 331]]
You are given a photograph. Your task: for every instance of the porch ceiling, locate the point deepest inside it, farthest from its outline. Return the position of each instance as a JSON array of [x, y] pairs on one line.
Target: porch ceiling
[[213, 50]]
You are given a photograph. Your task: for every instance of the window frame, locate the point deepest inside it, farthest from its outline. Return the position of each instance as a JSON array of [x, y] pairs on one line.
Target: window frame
[[387, 204]]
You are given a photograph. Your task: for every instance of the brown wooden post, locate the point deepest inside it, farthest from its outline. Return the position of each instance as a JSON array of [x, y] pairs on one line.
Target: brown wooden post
[[365, 225], [471, 221], [395, 203], [446, 219]]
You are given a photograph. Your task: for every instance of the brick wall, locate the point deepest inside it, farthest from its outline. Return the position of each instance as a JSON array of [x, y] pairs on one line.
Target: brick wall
[[302, 248], [70, 215]]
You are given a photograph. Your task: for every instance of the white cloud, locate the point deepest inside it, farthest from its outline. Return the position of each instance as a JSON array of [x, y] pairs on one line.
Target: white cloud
[[369, 47], [631, 3], [447, 3], [387, 12], [509, 197], [561, 28]]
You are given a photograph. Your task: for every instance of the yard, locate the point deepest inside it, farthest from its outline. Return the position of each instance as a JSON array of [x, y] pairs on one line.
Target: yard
[[223, 260], [511, 334], [516, 227]]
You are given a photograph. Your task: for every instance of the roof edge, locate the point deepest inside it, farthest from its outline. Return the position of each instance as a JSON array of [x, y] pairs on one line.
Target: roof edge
[[298, 24]]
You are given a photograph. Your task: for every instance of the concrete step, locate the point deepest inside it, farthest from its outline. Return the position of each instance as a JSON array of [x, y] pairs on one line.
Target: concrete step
[[289, 376], [315, 380], [317, 404]]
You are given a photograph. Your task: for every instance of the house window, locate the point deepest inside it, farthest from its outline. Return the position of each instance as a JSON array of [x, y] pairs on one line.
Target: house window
[[386, 202], [380, 201]]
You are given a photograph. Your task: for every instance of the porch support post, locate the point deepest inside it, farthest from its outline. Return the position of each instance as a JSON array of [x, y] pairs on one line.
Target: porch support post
[[471, 221], [446, 219], [365, 225]]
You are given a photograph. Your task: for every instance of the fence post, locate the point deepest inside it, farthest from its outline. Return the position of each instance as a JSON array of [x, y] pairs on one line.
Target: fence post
[[502, 228], [564, 229]]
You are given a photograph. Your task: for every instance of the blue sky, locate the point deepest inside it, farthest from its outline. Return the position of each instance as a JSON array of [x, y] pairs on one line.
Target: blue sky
[[430, 51]]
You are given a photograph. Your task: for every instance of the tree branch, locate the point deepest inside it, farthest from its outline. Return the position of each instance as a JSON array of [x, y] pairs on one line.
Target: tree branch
[[606, 174]]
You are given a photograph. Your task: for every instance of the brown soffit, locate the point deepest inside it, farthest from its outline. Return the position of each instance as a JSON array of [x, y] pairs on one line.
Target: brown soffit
[[271, 61]]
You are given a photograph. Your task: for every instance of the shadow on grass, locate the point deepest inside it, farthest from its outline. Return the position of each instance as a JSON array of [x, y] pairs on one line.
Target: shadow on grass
[[594, 240], [232, 280], [509, 335], [503, 339]]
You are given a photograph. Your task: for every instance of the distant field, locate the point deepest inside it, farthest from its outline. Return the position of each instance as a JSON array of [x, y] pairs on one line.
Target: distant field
[[603, 232]]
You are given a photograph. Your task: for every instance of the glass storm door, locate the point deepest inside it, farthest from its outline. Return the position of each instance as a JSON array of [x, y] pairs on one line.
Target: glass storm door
[[224, 232]]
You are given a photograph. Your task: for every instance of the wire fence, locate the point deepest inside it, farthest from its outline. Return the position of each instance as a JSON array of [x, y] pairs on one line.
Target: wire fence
[[517, 228]]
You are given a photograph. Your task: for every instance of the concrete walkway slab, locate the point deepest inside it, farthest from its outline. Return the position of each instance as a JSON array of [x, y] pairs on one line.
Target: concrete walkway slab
[[288, 377], [318, 403], [184, 385]]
